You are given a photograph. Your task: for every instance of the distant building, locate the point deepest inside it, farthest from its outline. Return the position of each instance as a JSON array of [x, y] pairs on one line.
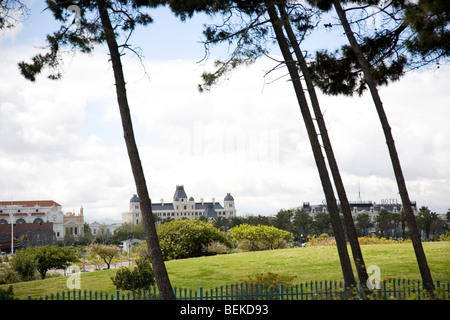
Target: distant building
[[357, 207], [33, 211], [182, 207], [25, 235], [103, 229], [42, 211], [74, 223]]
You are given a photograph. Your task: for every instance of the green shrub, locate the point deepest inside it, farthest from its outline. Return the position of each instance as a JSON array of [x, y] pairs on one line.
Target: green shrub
[[7, 293], [375, 240], [264, 283], [188, 238], [8, 275], [216, 247], [24, 263], [141, 276], [445, 236], [322, 240], [260, 237]]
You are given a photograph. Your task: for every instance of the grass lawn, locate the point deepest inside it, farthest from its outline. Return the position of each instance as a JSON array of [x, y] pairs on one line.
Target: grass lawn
[[308, 264]]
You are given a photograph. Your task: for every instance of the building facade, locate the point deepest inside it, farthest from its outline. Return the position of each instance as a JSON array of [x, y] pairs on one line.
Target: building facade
[[42, 211], [103, 229], [182, 207], [34, 211], [357, 207], [74, 223]]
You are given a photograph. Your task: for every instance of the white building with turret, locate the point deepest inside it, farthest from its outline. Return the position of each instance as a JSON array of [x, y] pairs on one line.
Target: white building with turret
[[182, 207]]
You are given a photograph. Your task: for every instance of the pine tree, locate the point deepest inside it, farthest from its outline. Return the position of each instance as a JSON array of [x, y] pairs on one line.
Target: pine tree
[[87, 34]]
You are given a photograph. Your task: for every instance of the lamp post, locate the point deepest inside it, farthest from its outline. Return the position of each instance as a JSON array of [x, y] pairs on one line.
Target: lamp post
[[12, 232], [129, 249]]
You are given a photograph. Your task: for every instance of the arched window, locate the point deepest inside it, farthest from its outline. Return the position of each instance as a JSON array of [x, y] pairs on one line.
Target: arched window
[[38, 220]]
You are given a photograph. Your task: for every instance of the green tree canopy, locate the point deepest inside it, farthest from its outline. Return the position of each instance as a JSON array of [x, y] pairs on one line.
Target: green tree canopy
[[187, 238], [260, 237], [51, 257]]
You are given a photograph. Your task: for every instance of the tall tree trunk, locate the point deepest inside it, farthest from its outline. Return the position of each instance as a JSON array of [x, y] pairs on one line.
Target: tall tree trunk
[[345, 206], [161, 276], [317, 152], [409, 214]]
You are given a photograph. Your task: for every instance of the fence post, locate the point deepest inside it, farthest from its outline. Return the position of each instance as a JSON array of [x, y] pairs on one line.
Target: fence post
[[281, 292], [200, 289], [117, 295]]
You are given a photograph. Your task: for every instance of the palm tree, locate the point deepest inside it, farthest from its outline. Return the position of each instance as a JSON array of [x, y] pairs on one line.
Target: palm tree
[[363, 223], [302, 222], [384, 220], [322, 222], [426, 219], [415, 237], [221, 223], [282, 220]]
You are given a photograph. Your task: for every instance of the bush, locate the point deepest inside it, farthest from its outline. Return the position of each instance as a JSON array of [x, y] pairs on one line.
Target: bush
[[188, 238], [25, 264], [263, 283], [374, 240], [7, 293], [8, 275], [216, 248], [445, 236], [322, 240], [260, 237], [139, 277]]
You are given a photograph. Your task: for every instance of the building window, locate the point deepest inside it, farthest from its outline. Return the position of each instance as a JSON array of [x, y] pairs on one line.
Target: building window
[[184, 207]]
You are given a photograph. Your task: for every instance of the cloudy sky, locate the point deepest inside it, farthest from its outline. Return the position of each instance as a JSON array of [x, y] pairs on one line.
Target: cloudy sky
[[62, 140]]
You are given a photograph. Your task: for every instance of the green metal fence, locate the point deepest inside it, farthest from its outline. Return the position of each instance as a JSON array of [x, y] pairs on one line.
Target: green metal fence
[[401, 289]]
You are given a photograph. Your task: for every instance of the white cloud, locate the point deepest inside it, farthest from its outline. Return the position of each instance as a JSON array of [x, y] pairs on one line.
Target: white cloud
[[63, 141]]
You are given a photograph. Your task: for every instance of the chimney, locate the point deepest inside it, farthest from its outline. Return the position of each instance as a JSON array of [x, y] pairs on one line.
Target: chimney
[[201, 200], [213, 200], [162, 202]]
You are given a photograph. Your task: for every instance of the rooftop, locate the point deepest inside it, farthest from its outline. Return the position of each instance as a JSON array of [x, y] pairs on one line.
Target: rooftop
[[31, 203]]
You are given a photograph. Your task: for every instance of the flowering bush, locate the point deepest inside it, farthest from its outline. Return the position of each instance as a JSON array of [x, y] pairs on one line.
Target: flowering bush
[[322, 240], [374, 240], [260, 237]]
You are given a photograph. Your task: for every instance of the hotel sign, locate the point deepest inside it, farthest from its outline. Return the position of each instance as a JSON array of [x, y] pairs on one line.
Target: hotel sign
[[389, 201]]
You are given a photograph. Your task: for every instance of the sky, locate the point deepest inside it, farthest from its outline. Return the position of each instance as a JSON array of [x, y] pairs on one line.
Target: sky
[[62, 140]]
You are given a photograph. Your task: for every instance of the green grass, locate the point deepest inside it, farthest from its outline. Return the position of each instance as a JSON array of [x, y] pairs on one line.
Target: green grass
[[308, 264]]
